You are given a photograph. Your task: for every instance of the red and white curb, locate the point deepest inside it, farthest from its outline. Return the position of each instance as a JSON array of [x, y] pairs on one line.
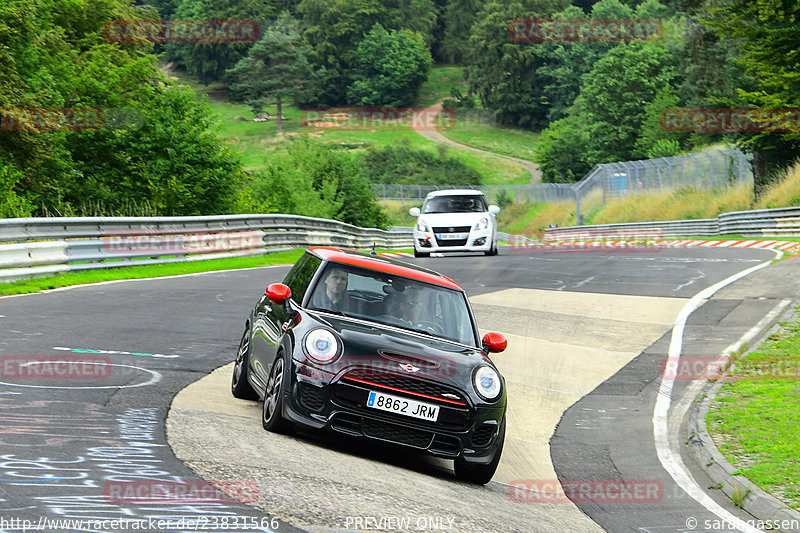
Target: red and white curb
[[787, 247]]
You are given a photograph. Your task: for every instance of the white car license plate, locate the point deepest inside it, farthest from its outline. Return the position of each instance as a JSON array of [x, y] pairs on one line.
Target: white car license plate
[[403, 406], [450, 236]]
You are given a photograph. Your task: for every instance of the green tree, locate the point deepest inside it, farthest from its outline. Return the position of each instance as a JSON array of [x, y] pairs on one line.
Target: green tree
[[615, 95], [334, 29], [209, 61], [458, 18], [166, 154], [562, 150], [316, 180], [505, 74], [275, 69], [390, 67], [769, 36], [11, 204], [171, 158], [652, 130]]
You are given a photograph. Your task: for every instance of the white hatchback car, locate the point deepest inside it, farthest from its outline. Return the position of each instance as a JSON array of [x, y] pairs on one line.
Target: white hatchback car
[[455, 220]]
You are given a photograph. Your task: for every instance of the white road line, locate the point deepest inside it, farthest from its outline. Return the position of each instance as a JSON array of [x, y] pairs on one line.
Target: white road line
[[112, 281], [667, 455]]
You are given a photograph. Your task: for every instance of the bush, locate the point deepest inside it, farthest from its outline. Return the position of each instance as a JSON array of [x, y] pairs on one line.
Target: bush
[[314, 180], [562, 151], [402, 164]]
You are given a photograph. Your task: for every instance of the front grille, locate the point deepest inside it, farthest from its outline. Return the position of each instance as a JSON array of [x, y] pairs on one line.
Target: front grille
[[459, 242], [312, 397], [454, 413], [483, 435], [456, 229], [447, 229], [424, 386], [398, 434]]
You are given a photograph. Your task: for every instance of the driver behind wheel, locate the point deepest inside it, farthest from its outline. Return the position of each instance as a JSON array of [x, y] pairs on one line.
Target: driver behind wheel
[[411, 306]]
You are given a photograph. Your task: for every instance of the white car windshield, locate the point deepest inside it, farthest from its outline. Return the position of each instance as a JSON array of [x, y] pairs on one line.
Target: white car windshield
[[463, 203], [394, 301]]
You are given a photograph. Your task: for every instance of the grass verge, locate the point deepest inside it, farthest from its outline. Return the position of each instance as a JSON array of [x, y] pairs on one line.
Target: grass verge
[[146, 271], [754, 418]]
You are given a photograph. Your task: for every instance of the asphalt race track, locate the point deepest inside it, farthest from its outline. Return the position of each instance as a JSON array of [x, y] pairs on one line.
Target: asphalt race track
[[124, 438]]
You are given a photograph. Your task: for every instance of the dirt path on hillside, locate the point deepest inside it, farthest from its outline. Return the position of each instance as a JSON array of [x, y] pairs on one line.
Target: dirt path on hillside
[[433, 135]]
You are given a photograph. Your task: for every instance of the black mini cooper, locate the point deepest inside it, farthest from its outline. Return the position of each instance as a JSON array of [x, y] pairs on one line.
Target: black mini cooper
[[374, 347]]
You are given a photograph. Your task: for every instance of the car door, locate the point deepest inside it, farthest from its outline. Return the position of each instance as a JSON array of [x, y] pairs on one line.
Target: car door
[[270, 318]]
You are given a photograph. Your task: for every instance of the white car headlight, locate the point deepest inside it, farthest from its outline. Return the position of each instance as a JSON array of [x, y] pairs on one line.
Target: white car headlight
[[321, 345], [422, 226], [482, 223], [487, 383]]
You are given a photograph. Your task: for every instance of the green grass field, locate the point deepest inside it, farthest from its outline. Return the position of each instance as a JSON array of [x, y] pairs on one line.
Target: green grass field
[[755, 418], [257, 142], [439, 83], [146, 271]]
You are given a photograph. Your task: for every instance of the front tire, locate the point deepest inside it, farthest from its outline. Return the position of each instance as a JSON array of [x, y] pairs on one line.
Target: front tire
[[240, 386], [421, 254], [272, 412], [479, 473]]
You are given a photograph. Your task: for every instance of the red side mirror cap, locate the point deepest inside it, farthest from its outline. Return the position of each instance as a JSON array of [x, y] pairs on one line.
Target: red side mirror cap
[[278, 293], [494, 343]]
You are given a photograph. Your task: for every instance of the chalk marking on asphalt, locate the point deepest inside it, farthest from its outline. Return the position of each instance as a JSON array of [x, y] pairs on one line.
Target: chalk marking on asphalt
[[155, 377], [670, 458]]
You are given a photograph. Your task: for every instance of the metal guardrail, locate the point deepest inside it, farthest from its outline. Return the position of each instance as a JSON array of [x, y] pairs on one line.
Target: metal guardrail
[[39, 246], [781, 222], [713, 169]]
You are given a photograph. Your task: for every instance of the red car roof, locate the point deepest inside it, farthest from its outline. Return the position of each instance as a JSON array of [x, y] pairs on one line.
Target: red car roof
[[382, 264]]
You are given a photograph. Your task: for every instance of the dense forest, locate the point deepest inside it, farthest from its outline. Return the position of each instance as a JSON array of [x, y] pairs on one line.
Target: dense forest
[[87, 116]]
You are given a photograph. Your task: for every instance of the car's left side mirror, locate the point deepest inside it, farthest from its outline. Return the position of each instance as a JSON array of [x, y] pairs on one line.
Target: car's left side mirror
[[278, 293], [494, 343], [414, 211], [493, 209]]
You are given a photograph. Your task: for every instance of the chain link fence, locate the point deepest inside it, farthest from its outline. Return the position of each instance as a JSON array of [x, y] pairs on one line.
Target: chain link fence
[[713, 169]]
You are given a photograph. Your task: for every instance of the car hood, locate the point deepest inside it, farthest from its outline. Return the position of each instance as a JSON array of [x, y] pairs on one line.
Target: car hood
[[384, 349], [453, 219]]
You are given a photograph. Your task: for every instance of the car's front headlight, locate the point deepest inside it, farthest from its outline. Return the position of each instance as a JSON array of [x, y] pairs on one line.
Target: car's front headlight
[[482, 223], [422, 226], [321, 345], [487, 383]]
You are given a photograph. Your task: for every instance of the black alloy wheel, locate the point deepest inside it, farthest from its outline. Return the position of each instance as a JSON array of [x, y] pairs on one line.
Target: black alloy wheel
[[240, 386], [272, 413]]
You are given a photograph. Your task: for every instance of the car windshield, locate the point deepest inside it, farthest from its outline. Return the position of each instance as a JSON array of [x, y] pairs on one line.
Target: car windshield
[[462, 203], [394, 301]]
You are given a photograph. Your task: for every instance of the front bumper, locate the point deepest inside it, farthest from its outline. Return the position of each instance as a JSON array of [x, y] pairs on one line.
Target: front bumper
[[465, 241], [318, 399]]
